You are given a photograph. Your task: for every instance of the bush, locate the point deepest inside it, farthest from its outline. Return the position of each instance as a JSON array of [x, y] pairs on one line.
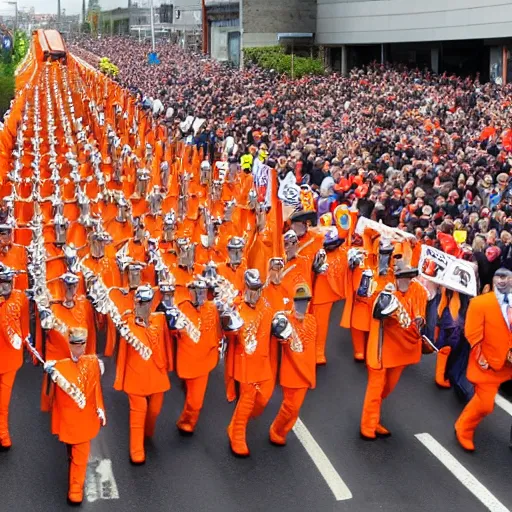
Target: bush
[[274, 57], [7, 81], [108, 68], [6, 91]]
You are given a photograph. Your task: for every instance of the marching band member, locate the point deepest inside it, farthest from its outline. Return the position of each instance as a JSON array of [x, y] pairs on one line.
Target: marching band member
[[120, 227], [488, 328], [277, 298], [233, 270], [197, 351], [13, 256], [297, 268], [368, 278], [297, 372], [252, 369], [394, 342], [144, 380], [328, 289], [77, 406], [14, 328], [71, 310]]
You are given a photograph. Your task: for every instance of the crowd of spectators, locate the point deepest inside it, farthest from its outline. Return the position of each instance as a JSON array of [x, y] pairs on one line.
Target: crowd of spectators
[[431, 154]]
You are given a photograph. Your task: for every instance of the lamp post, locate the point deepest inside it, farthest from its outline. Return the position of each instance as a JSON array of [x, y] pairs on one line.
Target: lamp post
[[152, 20], [15, 14]]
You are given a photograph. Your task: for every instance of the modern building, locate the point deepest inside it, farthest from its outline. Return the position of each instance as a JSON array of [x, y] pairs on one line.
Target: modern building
[[462, 36], [179, 22], [262, 21]]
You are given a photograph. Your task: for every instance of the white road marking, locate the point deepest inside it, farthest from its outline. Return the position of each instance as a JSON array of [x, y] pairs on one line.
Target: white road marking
[[462, 474], [100, 483], [323, 464], [504, 404]]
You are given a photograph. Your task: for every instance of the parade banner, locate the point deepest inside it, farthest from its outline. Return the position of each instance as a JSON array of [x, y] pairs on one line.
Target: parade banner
[[448, 271], [386, 231]]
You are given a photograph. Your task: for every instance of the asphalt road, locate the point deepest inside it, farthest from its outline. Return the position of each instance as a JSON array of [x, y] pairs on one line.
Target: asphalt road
[[200, 474]]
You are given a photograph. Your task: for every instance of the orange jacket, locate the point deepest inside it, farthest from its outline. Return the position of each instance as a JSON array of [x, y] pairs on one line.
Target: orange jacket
[[16, 258], [14, 328], [390, 345], [136, 376], [234, 275], [330, 287], [197, 359], [486, 326], [297, 271], [72, 424], [298, 367], [57, 343], [252, 349], [277, 297]]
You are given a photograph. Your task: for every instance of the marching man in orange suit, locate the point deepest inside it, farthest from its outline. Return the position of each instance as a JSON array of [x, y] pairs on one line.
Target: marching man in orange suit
[[252, 368], [77, 407], [297, 268], [143, 363], [394, 343], [197, 351], [14, 328], [366, 279], [297, 373], [328, 289], [488, 330], [13, 256], [233, 270], [279, 301]]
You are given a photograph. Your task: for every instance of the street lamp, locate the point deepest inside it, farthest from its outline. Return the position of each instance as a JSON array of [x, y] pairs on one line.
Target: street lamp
[[15, 14], [152, 24]]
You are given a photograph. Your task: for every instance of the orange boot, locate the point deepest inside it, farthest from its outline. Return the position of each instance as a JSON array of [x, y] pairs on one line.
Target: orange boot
[[359, 339], [322, 313], [138, 411], [6, 383], [370, 417], [78, 471], [287, 415], [475, 411], [237, 429], [194, 399], [154, 407], [442, 360]]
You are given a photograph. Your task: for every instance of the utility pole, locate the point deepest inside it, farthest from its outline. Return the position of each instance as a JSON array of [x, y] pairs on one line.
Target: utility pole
[[15, 3], [241, 11], [58, 14], [152, 24], [83, 12]]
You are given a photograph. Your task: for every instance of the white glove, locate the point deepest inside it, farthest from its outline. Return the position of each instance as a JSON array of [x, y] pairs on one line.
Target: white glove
[[101, 416], [49, 367]]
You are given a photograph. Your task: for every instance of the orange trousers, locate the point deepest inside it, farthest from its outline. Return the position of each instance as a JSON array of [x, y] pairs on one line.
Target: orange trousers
[[194, 399], [380, 384], [359, 340], [293, 398], [144, 411], [78, 455], [322, 313], [441, 362], [251, 403], [6, 384], [229, 364], [480, 406]]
